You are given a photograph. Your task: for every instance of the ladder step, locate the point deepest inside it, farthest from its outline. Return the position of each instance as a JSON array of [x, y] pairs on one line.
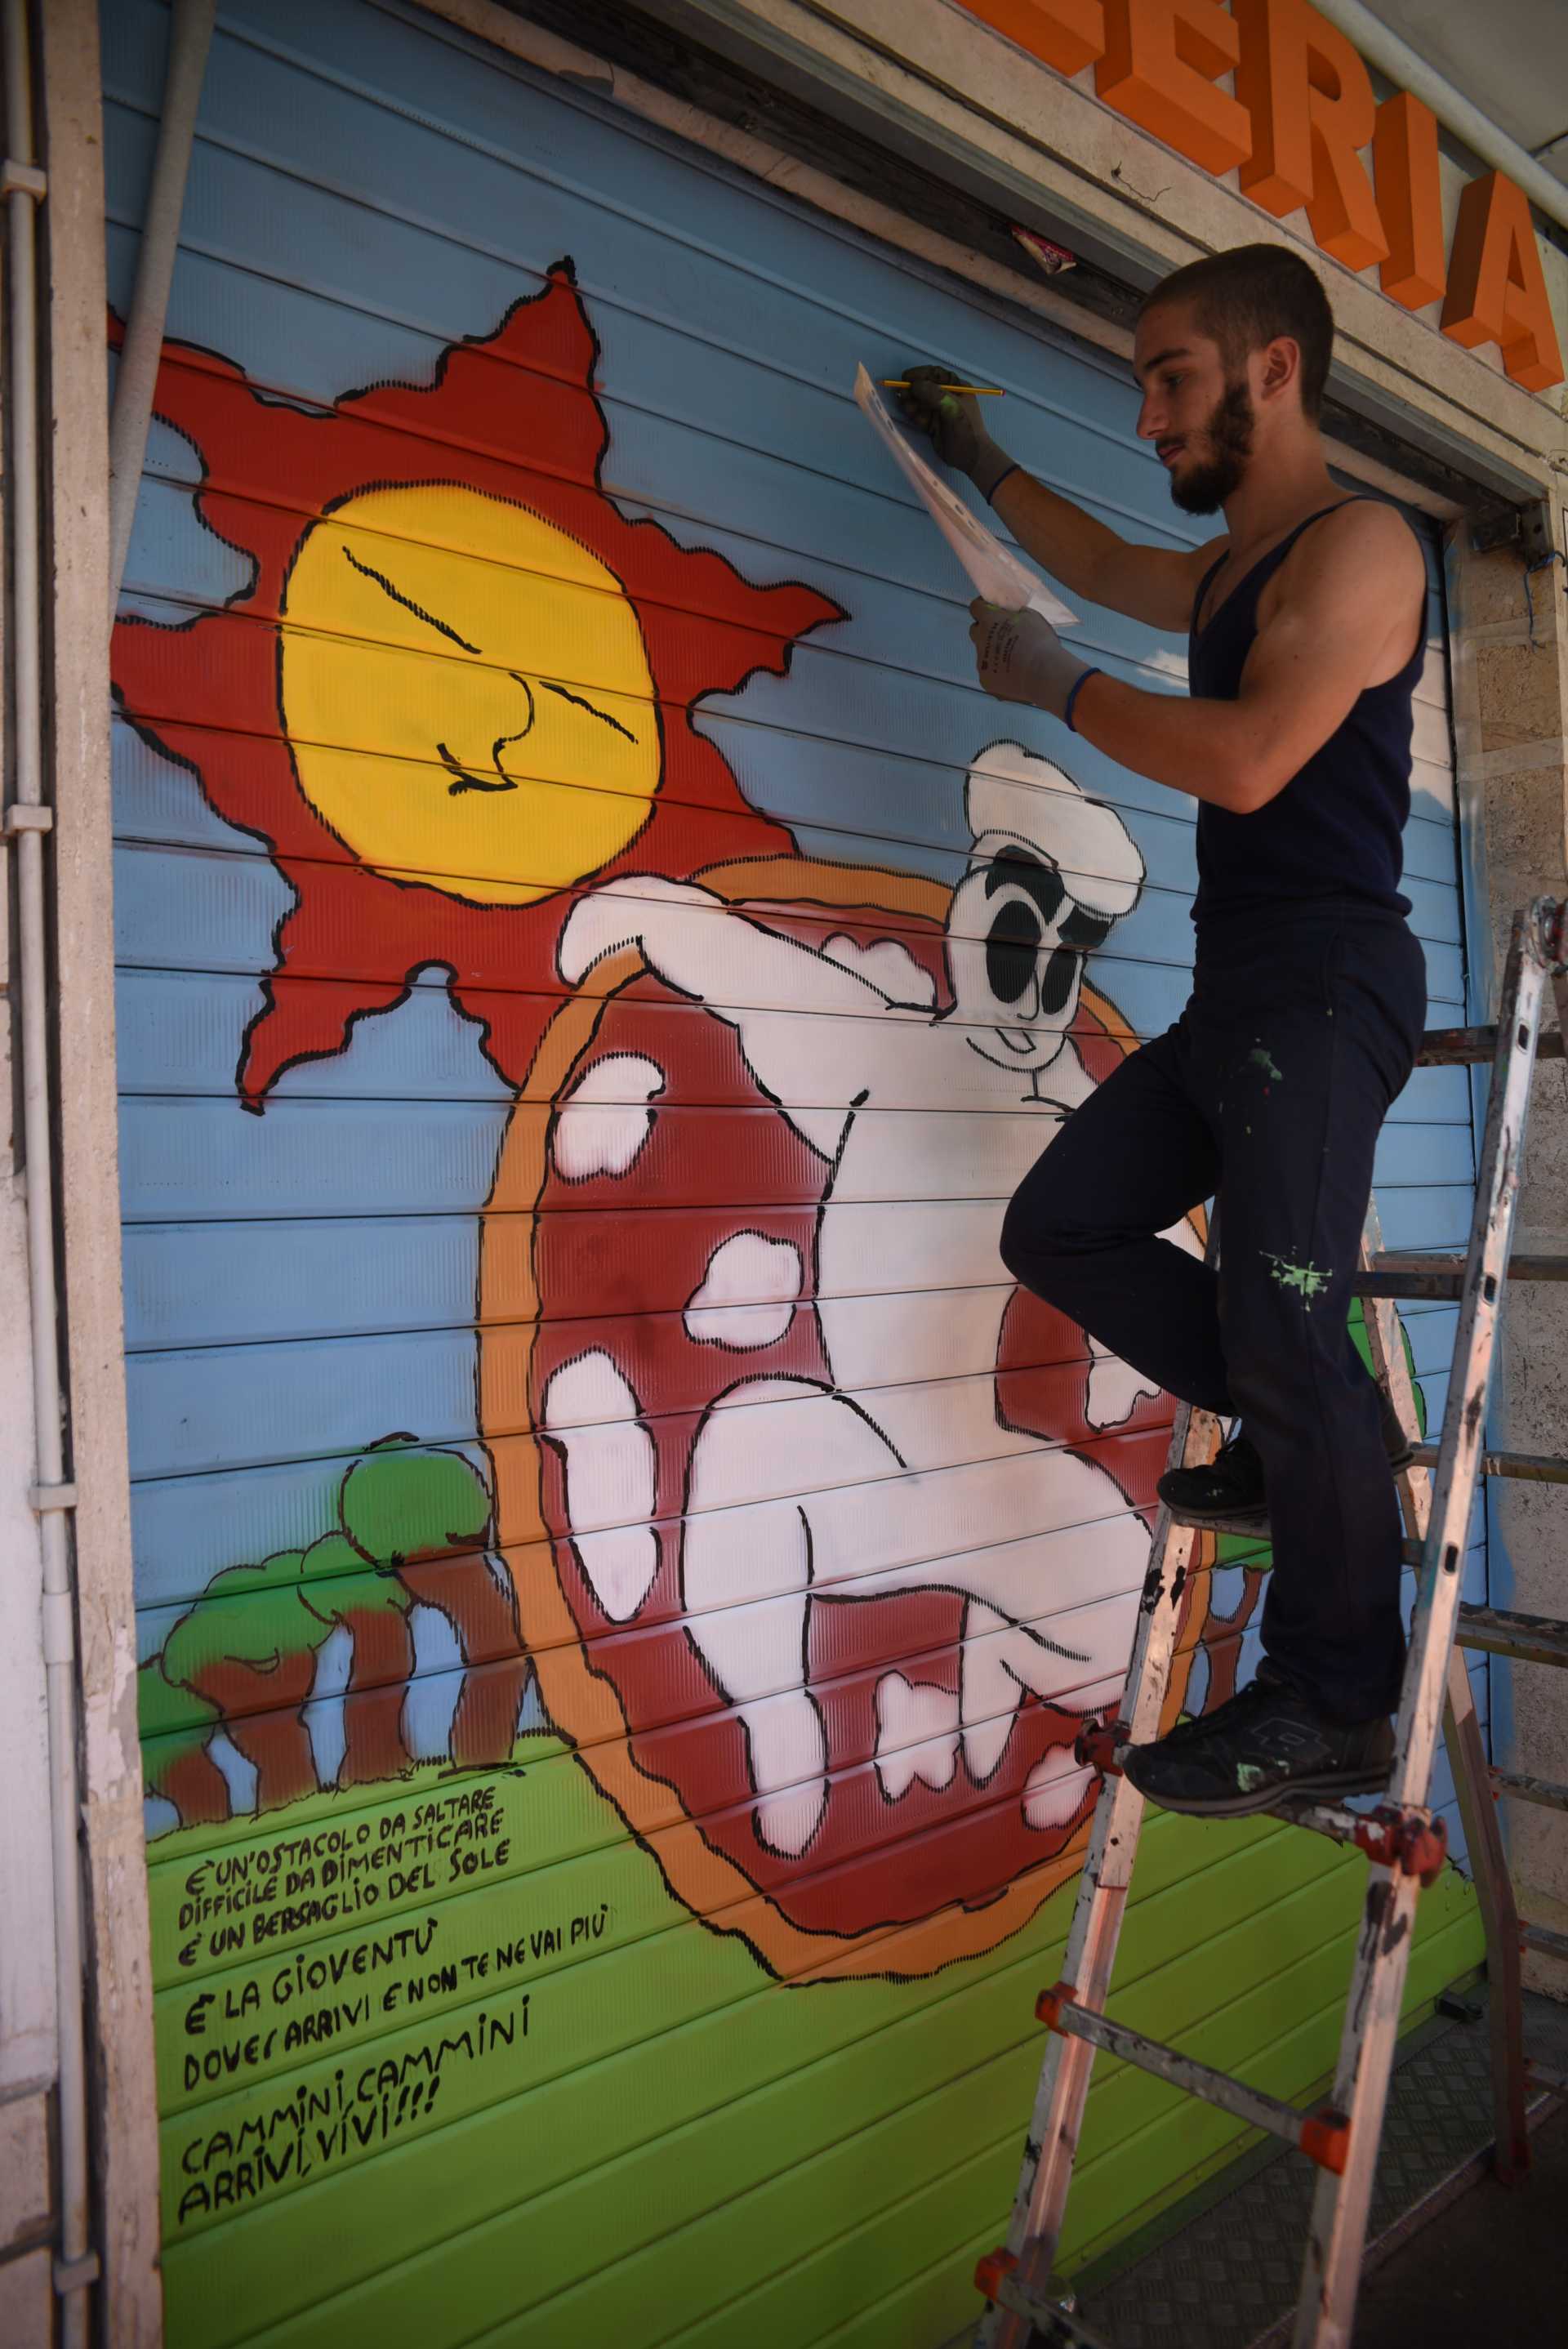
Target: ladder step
[[1529, 1467], [1323, 2136], [1528, 1638], [1443, 1047], [1525, 1789], [1407, 1840], [1396, 1272], [1543, 1938]]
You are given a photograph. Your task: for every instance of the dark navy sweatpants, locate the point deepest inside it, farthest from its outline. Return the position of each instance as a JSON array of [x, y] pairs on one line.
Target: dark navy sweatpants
[[1268, 1092]]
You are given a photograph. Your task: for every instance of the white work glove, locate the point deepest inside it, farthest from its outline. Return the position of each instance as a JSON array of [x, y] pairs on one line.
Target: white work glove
[[1020, 657]]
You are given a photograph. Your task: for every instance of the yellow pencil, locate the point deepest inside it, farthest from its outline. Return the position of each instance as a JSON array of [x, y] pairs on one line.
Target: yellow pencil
[[981, 390]]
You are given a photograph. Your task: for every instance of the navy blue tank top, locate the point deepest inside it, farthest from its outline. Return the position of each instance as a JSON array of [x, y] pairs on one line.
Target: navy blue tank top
[[1335, 829]]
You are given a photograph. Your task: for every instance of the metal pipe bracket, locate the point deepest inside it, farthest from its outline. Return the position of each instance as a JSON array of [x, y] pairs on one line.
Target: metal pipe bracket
[[22, 180], [25, 816], [42, 1498]]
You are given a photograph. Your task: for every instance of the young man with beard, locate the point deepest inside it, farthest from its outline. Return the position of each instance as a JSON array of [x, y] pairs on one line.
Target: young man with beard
[[1306, 625]]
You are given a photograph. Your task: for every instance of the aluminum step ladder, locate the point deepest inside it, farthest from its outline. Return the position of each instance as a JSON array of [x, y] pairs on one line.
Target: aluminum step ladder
[[1404, 1843]]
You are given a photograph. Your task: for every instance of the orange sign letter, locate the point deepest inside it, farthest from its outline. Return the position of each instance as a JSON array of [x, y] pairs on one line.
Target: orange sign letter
[[1067, 33], [1313, 110], [1497, 293], [1163, 59], [1410, 201]]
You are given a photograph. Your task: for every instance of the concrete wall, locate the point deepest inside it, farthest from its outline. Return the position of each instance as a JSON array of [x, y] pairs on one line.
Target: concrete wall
[[27, 2222], [1510, 699]]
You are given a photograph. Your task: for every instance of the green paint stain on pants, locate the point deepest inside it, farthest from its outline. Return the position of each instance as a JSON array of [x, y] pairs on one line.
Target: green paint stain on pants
[[1304, 1279]]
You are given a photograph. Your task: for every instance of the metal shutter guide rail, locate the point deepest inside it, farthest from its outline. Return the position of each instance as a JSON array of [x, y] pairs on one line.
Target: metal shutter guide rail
[[1405, 1844]]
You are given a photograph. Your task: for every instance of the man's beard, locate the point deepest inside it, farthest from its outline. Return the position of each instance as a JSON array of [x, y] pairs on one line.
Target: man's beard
[[1230, 433]]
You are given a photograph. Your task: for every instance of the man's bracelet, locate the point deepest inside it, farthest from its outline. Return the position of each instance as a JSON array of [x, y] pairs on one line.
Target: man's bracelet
[[1079, 684], [1005, 475]]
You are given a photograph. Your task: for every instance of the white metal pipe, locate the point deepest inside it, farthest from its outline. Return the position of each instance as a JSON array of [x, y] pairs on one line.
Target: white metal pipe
[[189, 36], [1403, 65], [59, 1644]]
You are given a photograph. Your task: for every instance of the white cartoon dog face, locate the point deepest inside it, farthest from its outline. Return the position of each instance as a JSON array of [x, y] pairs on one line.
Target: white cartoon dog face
[[1026, 913]]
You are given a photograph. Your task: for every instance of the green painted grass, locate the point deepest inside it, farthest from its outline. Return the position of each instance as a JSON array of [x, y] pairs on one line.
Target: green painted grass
[[679, 2148]]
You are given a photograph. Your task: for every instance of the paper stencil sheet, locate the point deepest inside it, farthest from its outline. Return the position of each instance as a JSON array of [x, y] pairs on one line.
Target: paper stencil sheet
[[997, 575]]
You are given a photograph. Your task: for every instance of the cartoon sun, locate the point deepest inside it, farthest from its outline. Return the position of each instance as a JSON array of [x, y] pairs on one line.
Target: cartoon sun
[[460, 681], [436, 756]]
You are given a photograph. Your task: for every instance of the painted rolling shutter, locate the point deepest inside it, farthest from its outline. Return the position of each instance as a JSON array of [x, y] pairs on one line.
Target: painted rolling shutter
[[619, 1570]]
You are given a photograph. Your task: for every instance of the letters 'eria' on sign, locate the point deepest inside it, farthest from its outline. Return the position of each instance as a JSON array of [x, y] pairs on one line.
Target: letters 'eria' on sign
[[1305, 131]]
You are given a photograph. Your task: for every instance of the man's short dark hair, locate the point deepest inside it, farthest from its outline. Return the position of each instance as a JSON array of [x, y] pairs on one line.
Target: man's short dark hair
[[1246, 297]]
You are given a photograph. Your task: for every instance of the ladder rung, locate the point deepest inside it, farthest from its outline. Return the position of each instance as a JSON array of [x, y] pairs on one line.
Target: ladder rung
[[1543, 1938], [1442, 1046], [1323, 2136], [1529, 1467], [1399, 1272], [1525, 1789], [1528, 1638], [1054, 2327], [1409, 1841]]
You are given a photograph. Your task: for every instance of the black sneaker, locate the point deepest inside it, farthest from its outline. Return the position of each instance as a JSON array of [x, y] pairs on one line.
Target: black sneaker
[[1230, 1496], [1227, 1494], [1266, 1742]]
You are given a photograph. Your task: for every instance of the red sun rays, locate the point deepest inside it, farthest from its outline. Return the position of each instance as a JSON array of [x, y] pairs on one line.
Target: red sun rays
[[513, 415]]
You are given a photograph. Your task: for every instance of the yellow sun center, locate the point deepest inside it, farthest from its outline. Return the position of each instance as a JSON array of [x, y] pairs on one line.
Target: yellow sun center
[[467, 693]]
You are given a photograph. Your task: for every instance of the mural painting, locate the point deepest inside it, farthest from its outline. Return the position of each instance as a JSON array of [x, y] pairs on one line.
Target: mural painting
[[608, 1823], [823, 1599]]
